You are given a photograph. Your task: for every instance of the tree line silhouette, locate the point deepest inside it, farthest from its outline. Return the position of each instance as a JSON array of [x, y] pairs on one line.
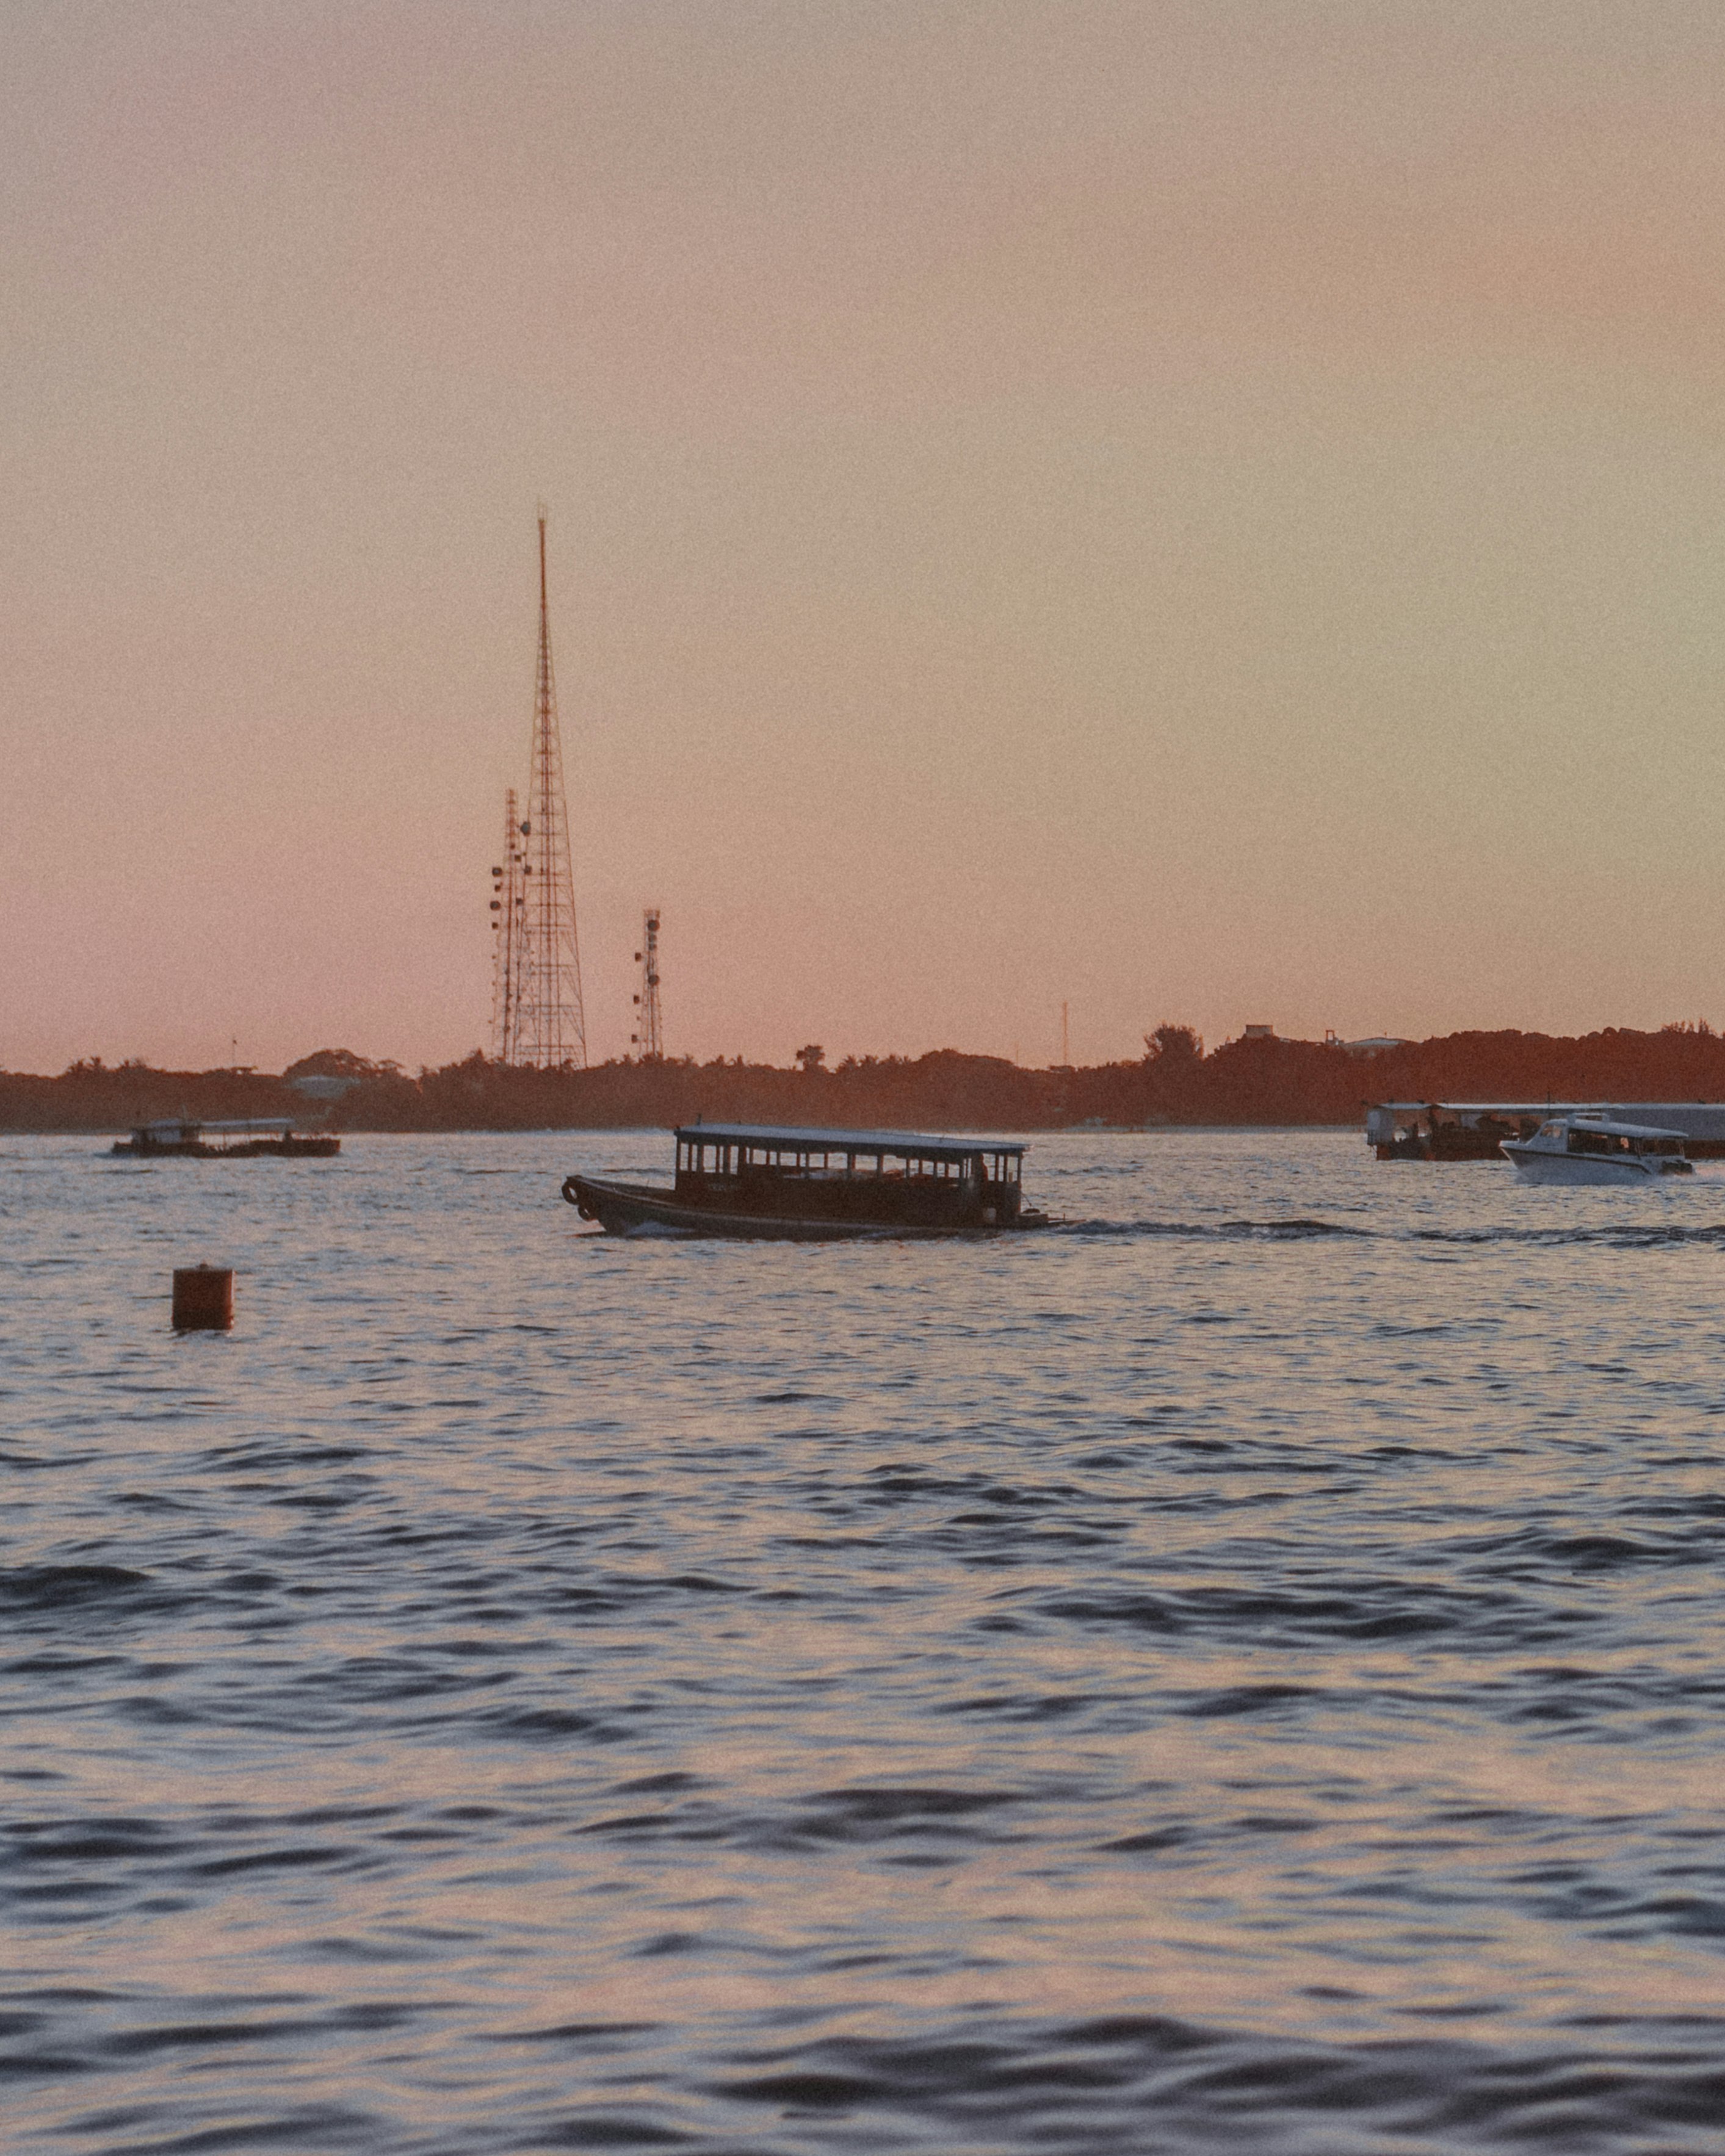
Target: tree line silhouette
[[1256, 1079]]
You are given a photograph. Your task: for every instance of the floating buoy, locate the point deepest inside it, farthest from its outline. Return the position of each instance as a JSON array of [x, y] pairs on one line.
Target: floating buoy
[[203, 1299]]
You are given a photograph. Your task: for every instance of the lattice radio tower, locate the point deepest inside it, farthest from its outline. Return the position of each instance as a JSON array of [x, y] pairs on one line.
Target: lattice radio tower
[[509, 928], [649, 1036], [550, 1029]]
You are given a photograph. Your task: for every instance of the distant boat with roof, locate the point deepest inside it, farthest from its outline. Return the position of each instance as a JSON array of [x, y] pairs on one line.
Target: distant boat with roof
[[1597, 1149], [746, 1179], [251, 1137]]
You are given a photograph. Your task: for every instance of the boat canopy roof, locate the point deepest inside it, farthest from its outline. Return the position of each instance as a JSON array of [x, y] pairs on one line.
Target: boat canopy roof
[[281, 1125], [905, 1145], [1614, 1129], [1541, 1108], [1592, 1110]]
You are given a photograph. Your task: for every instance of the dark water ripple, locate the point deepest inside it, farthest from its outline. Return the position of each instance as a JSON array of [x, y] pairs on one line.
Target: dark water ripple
[[1240, 1672]]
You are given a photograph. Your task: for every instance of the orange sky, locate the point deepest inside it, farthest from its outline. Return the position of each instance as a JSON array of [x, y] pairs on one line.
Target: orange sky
[[1212, 512]]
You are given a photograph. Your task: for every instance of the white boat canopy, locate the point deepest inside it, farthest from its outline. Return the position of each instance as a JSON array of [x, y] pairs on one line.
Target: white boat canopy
[[188, 1126], [1609, 1129], [903, 1145]]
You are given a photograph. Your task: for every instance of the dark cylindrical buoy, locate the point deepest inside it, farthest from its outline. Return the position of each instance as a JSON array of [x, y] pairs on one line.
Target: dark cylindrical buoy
[[203, 1299]]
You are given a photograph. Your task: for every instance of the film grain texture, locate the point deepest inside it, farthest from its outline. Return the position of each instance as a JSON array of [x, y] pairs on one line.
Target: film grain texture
[[1238, 1672]]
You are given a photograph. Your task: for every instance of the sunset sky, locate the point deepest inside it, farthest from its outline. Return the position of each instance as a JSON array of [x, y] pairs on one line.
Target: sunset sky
[[1209, 511]]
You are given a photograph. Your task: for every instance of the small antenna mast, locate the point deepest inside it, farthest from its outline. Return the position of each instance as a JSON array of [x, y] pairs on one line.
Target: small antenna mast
[[509, 929], [648, 1037]]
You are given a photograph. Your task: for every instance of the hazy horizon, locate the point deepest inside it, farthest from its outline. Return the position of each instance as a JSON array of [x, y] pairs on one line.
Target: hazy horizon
[[1205, 513]]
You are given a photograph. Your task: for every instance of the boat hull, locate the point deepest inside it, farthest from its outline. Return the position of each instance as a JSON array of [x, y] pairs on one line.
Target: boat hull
[[635, 1208], [1621, 1171]]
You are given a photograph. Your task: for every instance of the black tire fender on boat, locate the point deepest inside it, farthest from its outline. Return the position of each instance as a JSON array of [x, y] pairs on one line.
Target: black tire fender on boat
[[572, 1196]]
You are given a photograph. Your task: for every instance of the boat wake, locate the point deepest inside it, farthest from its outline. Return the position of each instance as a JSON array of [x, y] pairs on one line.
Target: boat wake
[[1229, 1231], [1616, 1235]]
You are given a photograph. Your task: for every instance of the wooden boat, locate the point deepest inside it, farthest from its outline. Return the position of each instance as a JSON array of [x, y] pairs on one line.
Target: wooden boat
[[179, 1137], [817, 1186]]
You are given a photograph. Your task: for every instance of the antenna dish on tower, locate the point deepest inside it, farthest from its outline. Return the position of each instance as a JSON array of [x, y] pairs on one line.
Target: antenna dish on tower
[[648, 1039], [509, 952]]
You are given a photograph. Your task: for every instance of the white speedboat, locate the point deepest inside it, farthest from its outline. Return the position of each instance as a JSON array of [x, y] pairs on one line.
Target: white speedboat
[[1595, 1149]]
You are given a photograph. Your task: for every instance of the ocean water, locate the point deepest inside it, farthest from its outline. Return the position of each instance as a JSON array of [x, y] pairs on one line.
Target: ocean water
[[1240, 1671]]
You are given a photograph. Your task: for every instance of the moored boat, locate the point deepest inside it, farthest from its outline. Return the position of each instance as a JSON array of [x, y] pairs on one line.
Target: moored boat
[[1595, 1149], [1474, 1130], [744, 1179], [180, 1138]]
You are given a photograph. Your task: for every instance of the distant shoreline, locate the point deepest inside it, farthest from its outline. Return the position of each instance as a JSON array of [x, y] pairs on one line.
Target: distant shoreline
[[1256, 1081], [117, 1131]]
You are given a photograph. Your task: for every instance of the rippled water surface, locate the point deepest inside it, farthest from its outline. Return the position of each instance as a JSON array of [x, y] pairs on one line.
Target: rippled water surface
[[1238, 1672]]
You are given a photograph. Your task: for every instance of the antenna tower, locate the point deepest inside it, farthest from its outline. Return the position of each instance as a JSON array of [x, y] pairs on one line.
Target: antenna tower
[[550, 1032], [509, 927], [649, 1036]]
